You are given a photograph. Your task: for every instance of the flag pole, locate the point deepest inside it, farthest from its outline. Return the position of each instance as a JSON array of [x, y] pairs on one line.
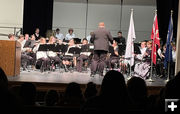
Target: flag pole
[[152, 52], [168, 77]]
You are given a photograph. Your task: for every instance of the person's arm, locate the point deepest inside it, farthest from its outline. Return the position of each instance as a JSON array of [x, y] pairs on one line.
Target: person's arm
[[92, 38], [110, 37]]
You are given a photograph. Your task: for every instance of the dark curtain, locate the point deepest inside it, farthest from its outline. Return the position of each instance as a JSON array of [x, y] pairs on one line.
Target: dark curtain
[[37, 14], [164, 8]]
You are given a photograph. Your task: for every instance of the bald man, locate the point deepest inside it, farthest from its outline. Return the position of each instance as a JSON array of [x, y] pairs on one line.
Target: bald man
[[100, 39]]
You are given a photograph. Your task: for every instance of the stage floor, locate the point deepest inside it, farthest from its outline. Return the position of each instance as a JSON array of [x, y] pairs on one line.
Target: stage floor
[[67, 77]]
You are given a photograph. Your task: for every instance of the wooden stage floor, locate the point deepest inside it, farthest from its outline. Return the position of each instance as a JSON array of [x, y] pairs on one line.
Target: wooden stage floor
[[58, 80]]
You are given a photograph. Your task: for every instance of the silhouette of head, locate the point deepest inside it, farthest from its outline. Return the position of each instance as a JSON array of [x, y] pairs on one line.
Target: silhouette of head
[[3, 79], [28, 93], [172, 88], [113, 84], [73, 93], [90, 90], [51, 98], [137, 88]]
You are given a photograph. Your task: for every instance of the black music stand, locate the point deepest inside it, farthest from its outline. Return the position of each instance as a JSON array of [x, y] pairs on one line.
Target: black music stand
[[122, 49], [43, 47], [136, 48], [116, 39], [77, 40], [75, 51]]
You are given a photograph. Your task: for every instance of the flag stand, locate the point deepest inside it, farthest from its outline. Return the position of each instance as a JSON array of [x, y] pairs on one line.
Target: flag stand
[[152, 52], [168, 71], [151, 73]]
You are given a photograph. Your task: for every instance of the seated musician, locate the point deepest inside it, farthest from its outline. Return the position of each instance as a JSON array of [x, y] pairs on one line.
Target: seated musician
[[69, 56], [160, 70], [53, 55], [147, 54], [141, 69], [11, 37], [114, 56], [28, 47], [70, 35], [25, 58], [42, 59], [143, 50], [84, 55]]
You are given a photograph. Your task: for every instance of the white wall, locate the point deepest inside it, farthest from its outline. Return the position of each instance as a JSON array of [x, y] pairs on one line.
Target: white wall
[[11, 15], [67, 14]]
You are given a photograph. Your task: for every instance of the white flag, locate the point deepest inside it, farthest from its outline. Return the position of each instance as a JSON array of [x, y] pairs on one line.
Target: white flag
[[129, 55]]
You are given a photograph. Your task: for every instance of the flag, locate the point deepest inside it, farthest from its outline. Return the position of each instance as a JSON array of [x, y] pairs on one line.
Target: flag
[[129, 54], [155, 39], [168, 53]]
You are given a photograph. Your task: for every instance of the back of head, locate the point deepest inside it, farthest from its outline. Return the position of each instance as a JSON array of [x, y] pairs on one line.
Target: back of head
[[137, 88], [73, 93], [113, 84], [91, 90], [3, 79], [51, 98], [28, 93], [172, 88]]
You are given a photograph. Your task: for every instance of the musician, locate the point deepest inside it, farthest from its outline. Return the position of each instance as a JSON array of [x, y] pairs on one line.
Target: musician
[[143, 50], [59, 35], [53, 55], [69, 56], [84, 55], [114, 55], [36, 34], [28, 48], [41, 56], [70, 34], [26, 37], [122, 40], [25, 58], [141, 69], [147, 54], [89, 37], [173, 59], [160, 70], [11, 37], [100, 39]]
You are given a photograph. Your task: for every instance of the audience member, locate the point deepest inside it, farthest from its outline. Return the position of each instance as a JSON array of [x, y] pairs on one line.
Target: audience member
[[90, 91], [113, 95], [73, 95], [28, 93], [138, 92], [51, 98]]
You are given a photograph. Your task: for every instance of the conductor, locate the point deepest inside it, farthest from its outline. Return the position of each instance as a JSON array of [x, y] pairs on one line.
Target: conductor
[[100, 39]]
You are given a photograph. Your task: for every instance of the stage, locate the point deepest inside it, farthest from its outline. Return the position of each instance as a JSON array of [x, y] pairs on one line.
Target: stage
[[58, 80]]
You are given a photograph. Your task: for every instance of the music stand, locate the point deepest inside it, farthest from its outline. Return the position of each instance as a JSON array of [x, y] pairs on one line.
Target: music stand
[[43, 47], [122, 49], [136, 48], [116, 39], [85, 48], [75, 50], [77, 40]]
